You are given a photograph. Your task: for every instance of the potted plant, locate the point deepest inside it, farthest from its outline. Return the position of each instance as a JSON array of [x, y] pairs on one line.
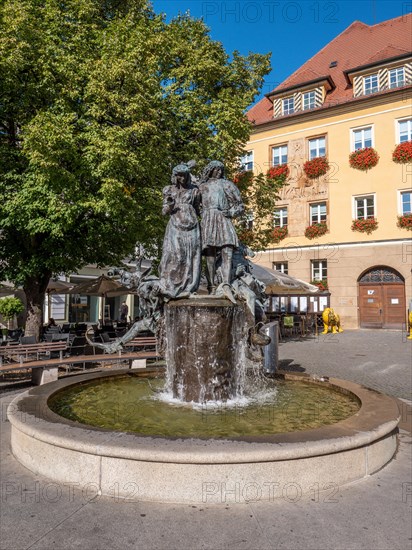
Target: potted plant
[[279, 233], [364, 159], [9, 308], [403, 153], [316, 167], [366, 225], [278, 173], [316, 230], [405, 221]]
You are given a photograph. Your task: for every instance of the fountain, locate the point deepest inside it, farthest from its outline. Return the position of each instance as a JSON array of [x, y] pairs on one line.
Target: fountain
[[210, 340]]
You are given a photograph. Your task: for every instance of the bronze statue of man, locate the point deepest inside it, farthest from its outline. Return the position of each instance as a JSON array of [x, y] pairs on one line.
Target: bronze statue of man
[[221, 201]]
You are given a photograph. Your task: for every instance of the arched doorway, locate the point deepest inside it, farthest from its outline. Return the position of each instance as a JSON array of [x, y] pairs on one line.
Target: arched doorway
[[381, 298]]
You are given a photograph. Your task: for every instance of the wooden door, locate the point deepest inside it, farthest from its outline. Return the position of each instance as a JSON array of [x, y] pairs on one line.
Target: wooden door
[[382, 305], [370, 306], [394, 306]]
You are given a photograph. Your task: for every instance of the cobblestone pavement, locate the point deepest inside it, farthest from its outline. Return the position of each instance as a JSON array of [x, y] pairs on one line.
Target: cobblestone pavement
[[379, 359]]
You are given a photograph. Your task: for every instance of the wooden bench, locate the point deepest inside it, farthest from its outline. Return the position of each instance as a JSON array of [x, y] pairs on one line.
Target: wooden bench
[[46, 370], [21, 353], [142, 342]]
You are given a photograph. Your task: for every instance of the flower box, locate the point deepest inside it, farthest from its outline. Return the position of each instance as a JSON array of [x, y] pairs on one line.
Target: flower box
[[278, 173], [403, 152], [316, 230], [316, 167], [405, 221], [279, 233], [322, 285], [365, 225], [364, 159]]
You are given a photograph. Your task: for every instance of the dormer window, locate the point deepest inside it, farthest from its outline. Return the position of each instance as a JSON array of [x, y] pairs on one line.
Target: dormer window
[[309, 100], [288, 105], [397, 77], [370, 84]]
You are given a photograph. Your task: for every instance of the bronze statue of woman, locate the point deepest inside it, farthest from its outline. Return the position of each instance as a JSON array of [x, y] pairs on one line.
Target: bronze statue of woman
[[180, 266]]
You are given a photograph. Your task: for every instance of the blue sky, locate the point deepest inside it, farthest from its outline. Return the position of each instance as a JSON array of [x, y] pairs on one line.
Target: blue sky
[[292, 31]]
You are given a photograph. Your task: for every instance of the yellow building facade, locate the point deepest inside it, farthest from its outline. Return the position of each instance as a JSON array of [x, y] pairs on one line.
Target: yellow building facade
[[346, 99]]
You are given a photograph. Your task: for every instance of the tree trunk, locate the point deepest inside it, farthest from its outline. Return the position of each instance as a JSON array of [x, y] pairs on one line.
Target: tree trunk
[[35, 290]]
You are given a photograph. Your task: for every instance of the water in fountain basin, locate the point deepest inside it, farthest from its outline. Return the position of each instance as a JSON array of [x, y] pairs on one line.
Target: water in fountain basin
[[132, 404]]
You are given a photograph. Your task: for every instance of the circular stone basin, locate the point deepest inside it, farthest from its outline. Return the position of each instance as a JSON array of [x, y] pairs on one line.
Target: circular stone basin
[[196, 470]]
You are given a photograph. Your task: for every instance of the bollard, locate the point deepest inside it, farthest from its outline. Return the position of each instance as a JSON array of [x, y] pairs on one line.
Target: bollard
[[271, 351]]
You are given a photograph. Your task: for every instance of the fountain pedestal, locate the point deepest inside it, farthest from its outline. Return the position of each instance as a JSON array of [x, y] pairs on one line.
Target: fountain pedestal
[[206, 342]]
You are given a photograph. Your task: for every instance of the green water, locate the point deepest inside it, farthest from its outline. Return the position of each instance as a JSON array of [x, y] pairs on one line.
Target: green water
[[132, 404]]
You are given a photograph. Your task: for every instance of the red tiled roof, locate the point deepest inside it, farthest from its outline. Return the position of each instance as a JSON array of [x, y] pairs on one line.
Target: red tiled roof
[[358, 45]]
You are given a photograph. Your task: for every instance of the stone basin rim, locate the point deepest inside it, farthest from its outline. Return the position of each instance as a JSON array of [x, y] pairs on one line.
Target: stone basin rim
[[377, 418]]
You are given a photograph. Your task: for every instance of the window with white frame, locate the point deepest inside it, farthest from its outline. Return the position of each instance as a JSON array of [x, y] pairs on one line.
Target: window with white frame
[[280, 266], [279, 155], [247, 219], [319, 270], [309, 100], [405, 202], [288, 105], [246, 161], [397, 77], [280, 217], [317, 147], [317, 212], [361, 138], [364, 207], [370, 84], [404, 130]]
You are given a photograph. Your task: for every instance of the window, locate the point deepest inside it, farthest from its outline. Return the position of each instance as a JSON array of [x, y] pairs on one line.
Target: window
[[248, 218], [309, 100], [280, 266], [370, 84], [405, 202], [288, 105], [318, 213], [246, 161], [281, 217], [364, 207], [405, 130], [317, 147], [397, 77], [279, 155], [362, 137], [319, 270]]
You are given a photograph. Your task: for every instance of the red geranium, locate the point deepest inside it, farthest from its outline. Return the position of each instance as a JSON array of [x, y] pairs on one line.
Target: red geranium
[[363, 159], [365, 225], [279, 233], [278, 173], [316, 167], [405, 221], [403, 152], [322, 285], [316, 230]]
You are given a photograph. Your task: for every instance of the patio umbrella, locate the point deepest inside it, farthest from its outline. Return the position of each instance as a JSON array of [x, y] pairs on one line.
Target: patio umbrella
[[103, 286], [7, 290], [281, 284], [56, 286]]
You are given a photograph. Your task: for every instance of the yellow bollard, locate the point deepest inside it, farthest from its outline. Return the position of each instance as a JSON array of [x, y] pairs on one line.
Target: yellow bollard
[[410, 326]]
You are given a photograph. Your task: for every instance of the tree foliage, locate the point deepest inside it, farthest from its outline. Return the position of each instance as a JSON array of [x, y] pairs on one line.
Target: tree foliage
[[98, 100]]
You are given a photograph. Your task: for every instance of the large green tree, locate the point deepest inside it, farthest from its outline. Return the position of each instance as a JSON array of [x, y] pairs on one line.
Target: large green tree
[[98, 99]]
